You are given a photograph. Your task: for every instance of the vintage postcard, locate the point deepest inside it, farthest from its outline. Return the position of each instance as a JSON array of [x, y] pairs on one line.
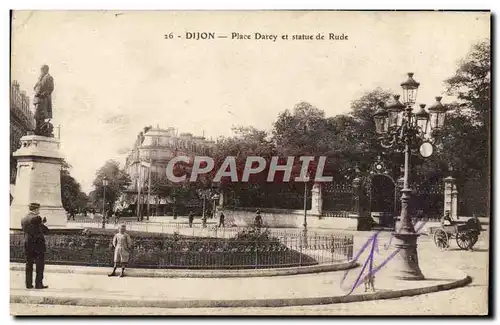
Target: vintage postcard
[[250, 163]]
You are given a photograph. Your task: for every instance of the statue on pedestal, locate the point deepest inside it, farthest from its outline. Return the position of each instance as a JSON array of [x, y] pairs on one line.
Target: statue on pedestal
[[39, 163], [43, 103]]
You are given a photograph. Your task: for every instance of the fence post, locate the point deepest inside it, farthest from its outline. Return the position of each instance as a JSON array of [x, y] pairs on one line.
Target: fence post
[[300, 256], [256, 255], [350, 249], [332, 250]]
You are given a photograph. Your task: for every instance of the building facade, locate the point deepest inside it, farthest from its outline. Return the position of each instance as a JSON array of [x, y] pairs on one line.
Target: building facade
[[21, 121], [152, 150]]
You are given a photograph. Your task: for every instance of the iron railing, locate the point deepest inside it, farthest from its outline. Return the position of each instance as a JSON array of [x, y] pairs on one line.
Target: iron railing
[[175, 251], [338, 214]]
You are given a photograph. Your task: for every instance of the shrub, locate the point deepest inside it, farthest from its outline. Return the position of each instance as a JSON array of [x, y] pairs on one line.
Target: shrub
[[249, 248]]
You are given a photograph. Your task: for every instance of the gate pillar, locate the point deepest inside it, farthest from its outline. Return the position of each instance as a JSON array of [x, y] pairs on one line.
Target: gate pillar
[[454, 201], [450, 197]]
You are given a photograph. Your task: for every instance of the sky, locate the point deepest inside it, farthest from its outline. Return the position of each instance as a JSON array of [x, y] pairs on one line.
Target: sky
[[115, 73]]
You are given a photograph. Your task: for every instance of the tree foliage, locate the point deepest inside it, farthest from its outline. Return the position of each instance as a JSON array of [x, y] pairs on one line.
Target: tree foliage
[[118, 181], [71, 194], [466, 144]]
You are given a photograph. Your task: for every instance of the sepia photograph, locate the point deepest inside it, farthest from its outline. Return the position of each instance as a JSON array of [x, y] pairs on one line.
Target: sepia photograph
[[250, 163]]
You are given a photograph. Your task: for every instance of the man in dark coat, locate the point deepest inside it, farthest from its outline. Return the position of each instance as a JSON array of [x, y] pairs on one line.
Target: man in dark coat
[[191, 218], [258, 220], [34, 245], [222, 218]]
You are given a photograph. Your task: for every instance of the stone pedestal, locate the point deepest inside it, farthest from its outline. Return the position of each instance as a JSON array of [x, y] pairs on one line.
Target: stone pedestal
[[38, 180]]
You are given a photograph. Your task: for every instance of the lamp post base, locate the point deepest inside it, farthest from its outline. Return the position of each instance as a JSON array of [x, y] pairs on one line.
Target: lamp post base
[[405, 262]]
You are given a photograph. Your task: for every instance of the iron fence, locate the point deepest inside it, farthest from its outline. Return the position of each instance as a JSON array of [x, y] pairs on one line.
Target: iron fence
[[175, 251], [338, 214]]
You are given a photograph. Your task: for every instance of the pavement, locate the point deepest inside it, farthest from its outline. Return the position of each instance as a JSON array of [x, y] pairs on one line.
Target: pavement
[[307, 289], [197, 273], [312, 294]]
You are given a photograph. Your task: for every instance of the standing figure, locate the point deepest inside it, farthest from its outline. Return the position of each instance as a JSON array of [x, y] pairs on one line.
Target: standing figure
[[43, 103], [258, 220], [446, 220], [122, 244], [204, 220], [191, 218], [34, 245], [221, 220]]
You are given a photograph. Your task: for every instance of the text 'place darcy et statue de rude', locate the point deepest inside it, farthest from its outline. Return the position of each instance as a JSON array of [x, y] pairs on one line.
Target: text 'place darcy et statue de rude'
[[39, 163]]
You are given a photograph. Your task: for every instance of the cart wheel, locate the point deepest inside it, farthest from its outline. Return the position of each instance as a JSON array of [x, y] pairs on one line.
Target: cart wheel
[[441, 239], [465, 240]]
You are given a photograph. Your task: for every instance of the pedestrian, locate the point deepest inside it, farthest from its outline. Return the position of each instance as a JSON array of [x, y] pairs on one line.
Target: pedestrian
[[204, 220], [221, 219], [34, 245], [191, 219], [258, 220], [446, 220], [122, 244]]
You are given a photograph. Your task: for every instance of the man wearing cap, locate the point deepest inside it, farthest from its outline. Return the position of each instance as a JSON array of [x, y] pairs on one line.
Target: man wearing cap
[[34, 245]]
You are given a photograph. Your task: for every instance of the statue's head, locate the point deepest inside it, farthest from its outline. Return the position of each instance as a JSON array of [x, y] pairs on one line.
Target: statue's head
[[44, 69]]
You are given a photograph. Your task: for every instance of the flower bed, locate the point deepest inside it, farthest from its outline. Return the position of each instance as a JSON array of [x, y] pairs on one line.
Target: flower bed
[[249, 249]]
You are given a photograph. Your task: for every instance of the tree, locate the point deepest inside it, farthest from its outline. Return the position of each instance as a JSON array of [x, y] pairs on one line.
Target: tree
[[471, 84], [118, 181], [466, 143], [71, 195], [305, 131], [362, 140]]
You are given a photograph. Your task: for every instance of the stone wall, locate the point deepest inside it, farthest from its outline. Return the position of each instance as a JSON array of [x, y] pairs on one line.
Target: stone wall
[[284, 218]]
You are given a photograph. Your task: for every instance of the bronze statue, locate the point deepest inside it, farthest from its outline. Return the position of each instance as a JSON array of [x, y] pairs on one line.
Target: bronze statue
[[43, 103]]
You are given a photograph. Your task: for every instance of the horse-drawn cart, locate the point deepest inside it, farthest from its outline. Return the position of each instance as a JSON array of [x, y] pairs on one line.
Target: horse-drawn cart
[[466, 234]]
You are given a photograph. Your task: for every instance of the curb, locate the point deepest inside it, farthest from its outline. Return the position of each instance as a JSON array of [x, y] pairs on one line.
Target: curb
[[176, 273], [156, 303]]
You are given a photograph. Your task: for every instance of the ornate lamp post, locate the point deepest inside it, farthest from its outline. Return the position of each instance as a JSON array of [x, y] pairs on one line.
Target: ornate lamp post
[[399, 127], [104, 184]]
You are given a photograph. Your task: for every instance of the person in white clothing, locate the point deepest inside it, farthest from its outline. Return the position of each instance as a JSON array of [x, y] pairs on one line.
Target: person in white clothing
[[122, 244]]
